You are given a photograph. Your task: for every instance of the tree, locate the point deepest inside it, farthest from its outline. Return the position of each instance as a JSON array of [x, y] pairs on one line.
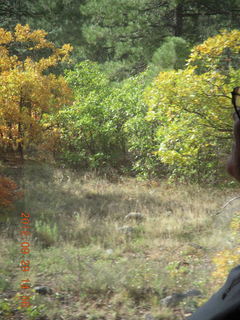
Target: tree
[[106, 126], [62, 20], [13, 12], [85, 139], [196, 20], [121, 35], [193, 107], [124, 35], [172, 54], [28, 91], [219, 53], [91, 129]]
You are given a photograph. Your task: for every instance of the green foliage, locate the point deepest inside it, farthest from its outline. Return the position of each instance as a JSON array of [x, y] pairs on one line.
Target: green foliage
[[124, 35], [61, 18], [179, 126], [138, 132], [119, 36], [46, 234], [194, 111], [87, 78], [106, 125], [4, 284], [5, 306], [171, 55], [88, 128], [34, 312]]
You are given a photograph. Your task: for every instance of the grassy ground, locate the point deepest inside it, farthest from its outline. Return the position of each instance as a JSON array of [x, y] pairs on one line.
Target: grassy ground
[[95, 268]]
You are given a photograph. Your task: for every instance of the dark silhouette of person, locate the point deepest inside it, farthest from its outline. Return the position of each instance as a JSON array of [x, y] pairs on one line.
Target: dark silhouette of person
[[233, 165], [225, 303]]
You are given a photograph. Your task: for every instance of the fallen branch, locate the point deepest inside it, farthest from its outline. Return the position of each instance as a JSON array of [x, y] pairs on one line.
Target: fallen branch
[[227, 203]]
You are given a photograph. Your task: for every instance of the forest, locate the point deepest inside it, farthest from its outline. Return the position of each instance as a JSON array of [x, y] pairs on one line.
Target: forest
[[112, 96], [116, 124]]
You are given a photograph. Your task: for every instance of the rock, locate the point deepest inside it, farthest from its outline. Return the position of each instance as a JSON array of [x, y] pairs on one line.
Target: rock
[[126, 229], [137, 216], [43, 290], [109, 251], [148, 316], [187, 315], [192, 293], [173, 300]]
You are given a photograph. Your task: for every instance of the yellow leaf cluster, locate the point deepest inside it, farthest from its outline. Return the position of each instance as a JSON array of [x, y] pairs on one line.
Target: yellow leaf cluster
[[36, 40], [224, 262], [215, 46], [26, 92], [5, 36]]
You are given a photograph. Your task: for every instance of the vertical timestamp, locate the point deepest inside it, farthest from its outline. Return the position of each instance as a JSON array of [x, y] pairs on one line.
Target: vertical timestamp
[[25, 286]]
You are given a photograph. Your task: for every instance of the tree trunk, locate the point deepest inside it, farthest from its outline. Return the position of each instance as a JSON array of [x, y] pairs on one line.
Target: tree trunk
[[178, 20], [20, 133]]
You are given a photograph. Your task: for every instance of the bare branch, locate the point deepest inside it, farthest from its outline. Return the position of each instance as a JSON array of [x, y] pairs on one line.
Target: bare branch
[[227, 203]]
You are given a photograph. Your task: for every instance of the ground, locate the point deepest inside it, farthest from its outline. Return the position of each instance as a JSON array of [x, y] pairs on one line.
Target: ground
[[94, 267]]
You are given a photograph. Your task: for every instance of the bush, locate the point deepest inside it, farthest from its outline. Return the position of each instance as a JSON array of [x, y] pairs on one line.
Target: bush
[[193, 109], [8, 192], [106, 125]]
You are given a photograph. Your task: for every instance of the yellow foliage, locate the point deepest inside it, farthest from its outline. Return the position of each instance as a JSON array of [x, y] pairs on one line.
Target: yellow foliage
[[5, 36], [229, 258], [235, 225], [215, 46], [184, 103], [224, 262], [26, 93]]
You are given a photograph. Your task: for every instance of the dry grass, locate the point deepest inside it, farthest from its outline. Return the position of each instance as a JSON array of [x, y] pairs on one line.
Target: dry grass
[[98, 271]]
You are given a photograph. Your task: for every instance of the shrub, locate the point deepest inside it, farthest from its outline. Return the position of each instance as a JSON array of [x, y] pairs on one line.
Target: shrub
[[8, 192], [106, 125]]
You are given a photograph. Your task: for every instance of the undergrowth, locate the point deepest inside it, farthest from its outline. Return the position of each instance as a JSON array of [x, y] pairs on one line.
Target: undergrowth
[[95, 268]]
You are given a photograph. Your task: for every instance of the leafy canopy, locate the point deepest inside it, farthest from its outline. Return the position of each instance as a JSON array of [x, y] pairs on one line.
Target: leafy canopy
[[220, 52], [193, 108], [28, 90], [106, 124]]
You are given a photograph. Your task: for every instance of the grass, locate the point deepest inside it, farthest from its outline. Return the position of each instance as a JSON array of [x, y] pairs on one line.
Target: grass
[[96, 270]]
